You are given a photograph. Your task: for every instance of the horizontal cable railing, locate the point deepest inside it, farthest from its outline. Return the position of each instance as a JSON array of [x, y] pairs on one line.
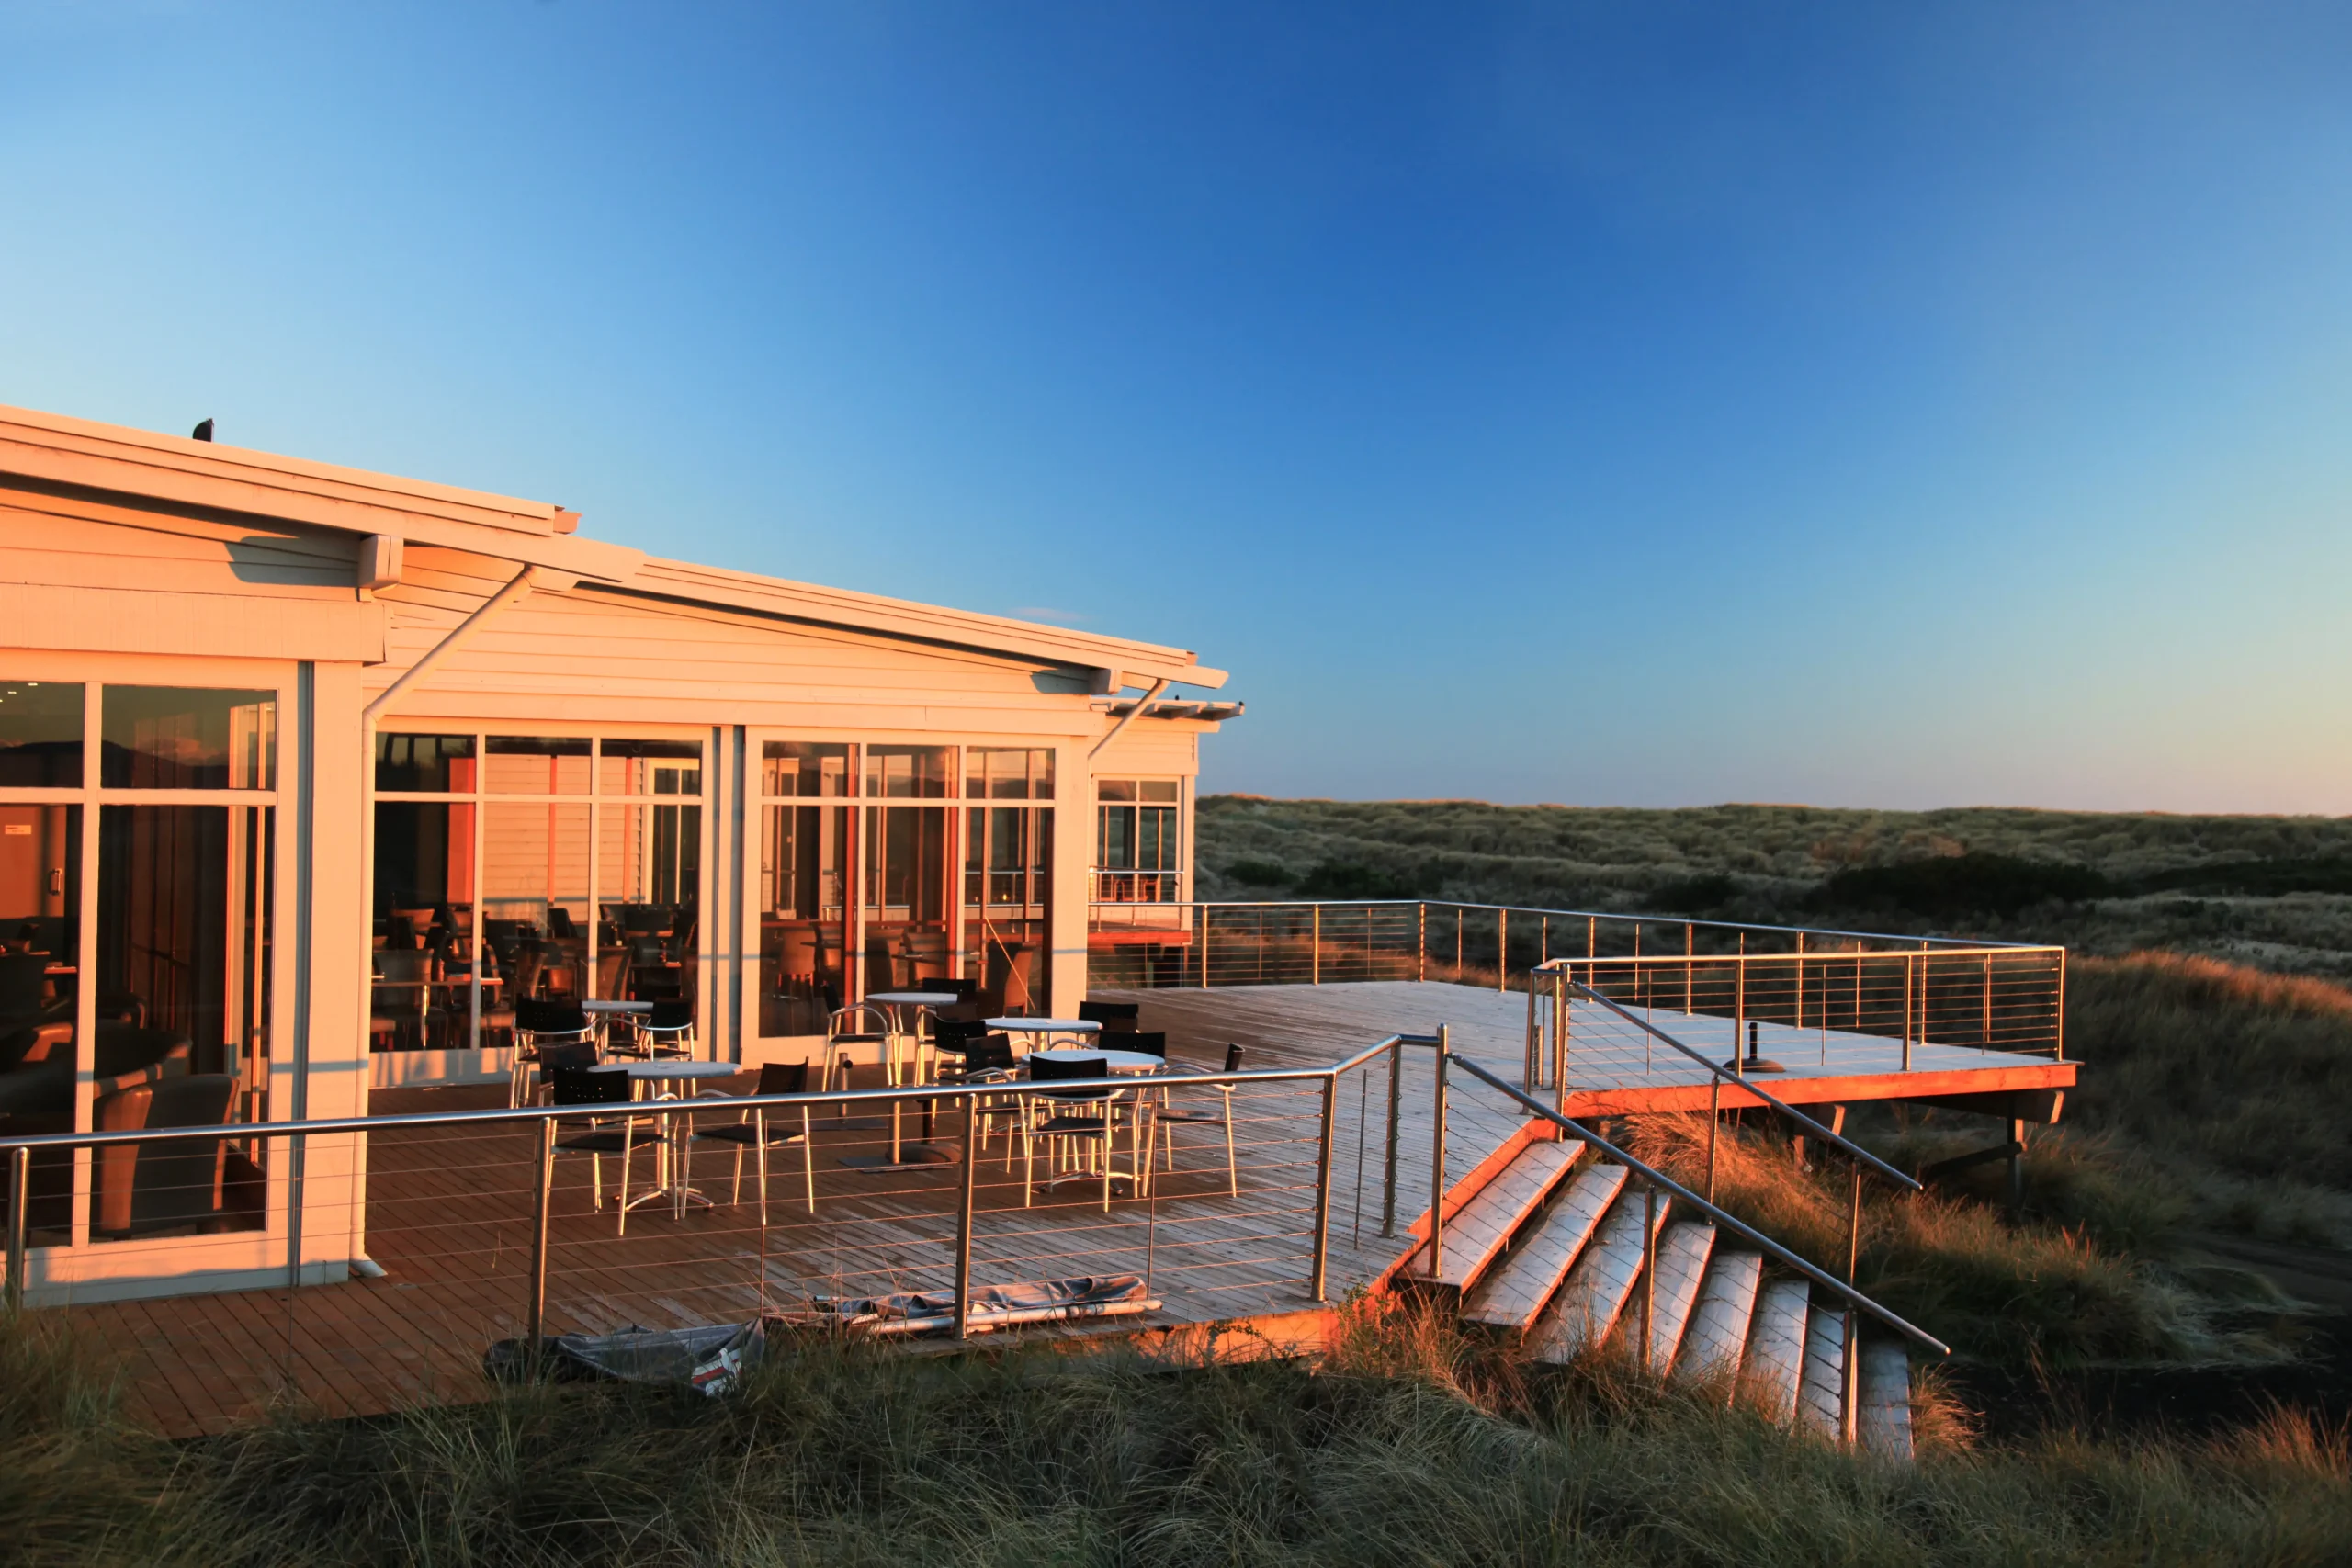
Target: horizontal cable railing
[[504, 1225], [1989, 996]]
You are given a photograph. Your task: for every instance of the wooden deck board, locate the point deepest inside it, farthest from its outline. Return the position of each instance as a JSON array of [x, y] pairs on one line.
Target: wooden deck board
[[448, 1214]]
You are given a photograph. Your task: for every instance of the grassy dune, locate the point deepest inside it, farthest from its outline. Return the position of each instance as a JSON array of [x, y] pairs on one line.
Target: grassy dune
[[1412, 1445], [2272, 892]]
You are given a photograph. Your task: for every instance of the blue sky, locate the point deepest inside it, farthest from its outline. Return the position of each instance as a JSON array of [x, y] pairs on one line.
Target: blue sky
[[1649, 404]]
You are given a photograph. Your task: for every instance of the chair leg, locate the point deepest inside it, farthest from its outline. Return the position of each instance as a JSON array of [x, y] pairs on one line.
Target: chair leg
[[1232, 1171], [628, 1147], [596, 1179], [808, 1160], [763, 1160]]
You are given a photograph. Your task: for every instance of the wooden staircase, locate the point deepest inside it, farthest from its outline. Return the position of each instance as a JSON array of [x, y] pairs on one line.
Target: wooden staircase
[[1551, 1245]]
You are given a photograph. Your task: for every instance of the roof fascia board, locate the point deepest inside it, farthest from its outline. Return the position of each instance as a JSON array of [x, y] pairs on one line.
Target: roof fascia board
[[112, 461], [811, 604]]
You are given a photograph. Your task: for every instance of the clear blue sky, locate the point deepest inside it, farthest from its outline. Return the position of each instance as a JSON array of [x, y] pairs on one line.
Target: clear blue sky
[[1884, 404]]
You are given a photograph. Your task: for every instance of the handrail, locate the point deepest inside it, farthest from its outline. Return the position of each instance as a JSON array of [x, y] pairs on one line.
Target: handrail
[[1812, 1271], [1853, 1150], [530, 1114], [1971, 944]]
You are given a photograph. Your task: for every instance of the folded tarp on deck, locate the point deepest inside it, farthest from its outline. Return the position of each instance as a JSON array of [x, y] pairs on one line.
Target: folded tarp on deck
[[992, 1306]]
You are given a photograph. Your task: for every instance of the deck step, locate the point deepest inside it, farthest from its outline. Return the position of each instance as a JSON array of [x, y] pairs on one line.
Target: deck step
[[1682, 1252], [1712, 1345], [1775, 1357], [1475, 1235], [1517, 1289], [1598, 1288], [1820, 1391], [1884, 1426]]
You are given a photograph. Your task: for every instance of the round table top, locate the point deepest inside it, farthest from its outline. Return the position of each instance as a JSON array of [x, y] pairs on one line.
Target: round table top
[[1043, 1025], [914, 999], [659, 1070], [1112, 1061], [615, 1007]]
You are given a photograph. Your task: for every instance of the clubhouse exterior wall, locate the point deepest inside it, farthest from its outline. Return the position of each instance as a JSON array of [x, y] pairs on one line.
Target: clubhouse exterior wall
[[128, 558]]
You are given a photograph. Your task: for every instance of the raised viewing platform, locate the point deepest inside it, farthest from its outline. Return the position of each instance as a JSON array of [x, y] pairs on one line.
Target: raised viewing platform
[[1231, 1247]]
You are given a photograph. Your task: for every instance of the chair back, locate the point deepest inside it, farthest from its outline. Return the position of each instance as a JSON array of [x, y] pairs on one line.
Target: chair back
[[952, 1035], [859, 1020], [784, 1078], [35, 1043], [403, 965], [1112, 1016], [565, 1054], [534, 1016], [24, 977], [1154, 1043], [1233, 1058], [182, 1184], [559, 921], [671, 1015], [588, 1086], [988, 1053], [1045, 1069]]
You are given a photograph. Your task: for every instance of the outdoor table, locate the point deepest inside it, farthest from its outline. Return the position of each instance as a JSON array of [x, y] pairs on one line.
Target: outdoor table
[[1115, 1063], [603, 1012], [896, 1003], [1112, 1061], [1044, 1026], [675, 1130]]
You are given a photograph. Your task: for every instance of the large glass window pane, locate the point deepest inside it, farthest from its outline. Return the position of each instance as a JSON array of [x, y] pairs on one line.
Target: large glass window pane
[[649, 866], [41, 902], [424, 764], [803, 877], [1008, 883], [534, 894], [905, 853], [536, 764], [421, 993], [184, 961], [41, 734], [803, 768], [996, 773], [649, 767], [908, 773], [187, 738]]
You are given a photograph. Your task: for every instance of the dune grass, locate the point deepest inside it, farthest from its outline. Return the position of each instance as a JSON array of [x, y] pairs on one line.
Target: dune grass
[[1412, 1444]]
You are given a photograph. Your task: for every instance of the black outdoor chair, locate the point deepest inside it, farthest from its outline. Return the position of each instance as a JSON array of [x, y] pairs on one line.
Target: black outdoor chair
[[616, 1135], [668, 1029], [1116, 1018], [1070, 1120], [1170, 1117], [540, 1025], [763, 1128]]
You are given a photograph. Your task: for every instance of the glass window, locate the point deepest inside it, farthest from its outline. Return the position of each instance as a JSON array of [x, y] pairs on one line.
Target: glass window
[[188, 737], [425, 765], [536, 764], [995, 773], [1135, 845], [183, 975], [1114, 789], [41, 902], [1008, 883], [1157, 791], [908, 772], [803, 875], [421, 994], [803, 768], [535, 892], [41, 734], [649, 767]]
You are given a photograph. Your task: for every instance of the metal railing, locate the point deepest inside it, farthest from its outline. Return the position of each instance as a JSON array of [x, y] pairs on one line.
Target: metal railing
[[1655, 1182], [1992, 996], [498, 1230]]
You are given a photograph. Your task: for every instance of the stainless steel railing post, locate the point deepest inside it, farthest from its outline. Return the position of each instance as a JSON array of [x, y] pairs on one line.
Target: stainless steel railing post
[[1650, 1271], [535, 1323], [1316, 960], [1909, 984], [1396, 1109], [1850, 1385], [964, 1217], [1437, 1156], [1421, 945], [1503, 950], [1323, 1183], [21, 1178]]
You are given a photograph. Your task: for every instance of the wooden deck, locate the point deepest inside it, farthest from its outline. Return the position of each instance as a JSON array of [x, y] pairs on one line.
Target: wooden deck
[[448, 1211]]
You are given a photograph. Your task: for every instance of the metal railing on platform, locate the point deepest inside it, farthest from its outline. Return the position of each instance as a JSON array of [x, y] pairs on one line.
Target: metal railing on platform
[[1989, 995], [499, 1224]]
